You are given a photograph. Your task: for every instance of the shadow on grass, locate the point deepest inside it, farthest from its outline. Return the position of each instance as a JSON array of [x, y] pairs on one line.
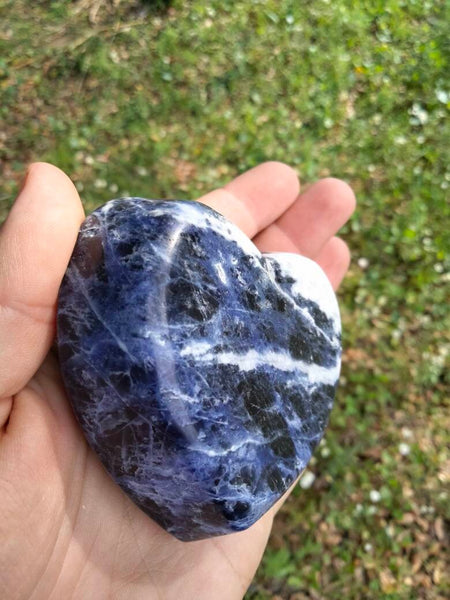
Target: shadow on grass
[[159, 6]]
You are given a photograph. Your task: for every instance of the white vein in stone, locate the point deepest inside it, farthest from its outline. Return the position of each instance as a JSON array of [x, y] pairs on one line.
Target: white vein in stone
[[253, 359]]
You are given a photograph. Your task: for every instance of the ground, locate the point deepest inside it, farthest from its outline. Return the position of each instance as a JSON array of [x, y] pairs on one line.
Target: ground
[[170, 99]]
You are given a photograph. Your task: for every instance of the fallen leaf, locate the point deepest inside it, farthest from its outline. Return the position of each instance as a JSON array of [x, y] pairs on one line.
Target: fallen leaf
[[439, 528], [387, 581]]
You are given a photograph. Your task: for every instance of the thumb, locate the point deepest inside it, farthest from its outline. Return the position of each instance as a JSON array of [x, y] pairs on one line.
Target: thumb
[[36, 242]]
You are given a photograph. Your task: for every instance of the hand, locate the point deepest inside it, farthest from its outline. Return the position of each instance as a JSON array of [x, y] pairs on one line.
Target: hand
[[66, 530]]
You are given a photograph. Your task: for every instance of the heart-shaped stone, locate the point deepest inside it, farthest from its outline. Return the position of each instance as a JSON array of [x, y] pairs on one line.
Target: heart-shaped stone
[[202, 372]]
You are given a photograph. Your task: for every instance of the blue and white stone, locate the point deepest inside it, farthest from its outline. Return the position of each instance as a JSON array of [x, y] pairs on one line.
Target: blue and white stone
[[201, 371]]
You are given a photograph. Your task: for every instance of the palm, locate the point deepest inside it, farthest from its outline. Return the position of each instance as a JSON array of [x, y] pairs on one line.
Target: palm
[[70, 531]]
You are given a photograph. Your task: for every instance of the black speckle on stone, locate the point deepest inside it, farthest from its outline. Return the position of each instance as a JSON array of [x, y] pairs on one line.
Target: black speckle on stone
[[190, 245], [126, 248], [244, 477], [257, 392], [136, 263], [299, 347], [309, 344], [139, 374], [283, 446], [323, 393], [124, 433], [67, 326], [281, 277], [119, 206], [321, 399], [320, 318], [301, 404], [101, 273], [281, 304], [189, 299], [236, 511], [274, 479], [252, 299], [121, 381], [266, 420], [65, 352]]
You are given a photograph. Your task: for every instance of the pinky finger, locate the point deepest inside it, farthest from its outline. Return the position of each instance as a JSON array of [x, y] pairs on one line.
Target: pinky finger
[[334, 258]]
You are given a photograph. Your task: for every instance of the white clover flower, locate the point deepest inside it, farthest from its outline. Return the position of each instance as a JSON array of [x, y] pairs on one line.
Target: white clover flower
[[307, 480], [407, 433], [374, 496], [142, 171], [396, 335], [363, 262], [100, 183], [442, 96], [404, 449], [419, 114], [400, 140], [377, 118], [114, 56]]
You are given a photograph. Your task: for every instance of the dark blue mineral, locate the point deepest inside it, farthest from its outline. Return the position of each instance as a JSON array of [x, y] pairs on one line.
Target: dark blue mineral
[[201, 372]]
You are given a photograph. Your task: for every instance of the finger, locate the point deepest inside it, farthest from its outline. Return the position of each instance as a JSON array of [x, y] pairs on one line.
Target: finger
[[334, 258], [36, 242], [308, 224], [256, 198]]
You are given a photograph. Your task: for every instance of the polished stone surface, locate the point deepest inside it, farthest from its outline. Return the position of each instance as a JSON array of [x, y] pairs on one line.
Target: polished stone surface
[[201, 371]]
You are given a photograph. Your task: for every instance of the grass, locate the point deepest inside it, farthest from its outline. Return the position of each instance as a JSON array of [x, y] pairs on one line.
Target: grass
[[171, 99]]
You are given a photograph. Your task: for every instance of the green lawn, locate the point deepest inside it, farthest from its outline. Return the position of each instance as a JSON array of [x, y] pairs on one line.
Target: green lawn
[[154, 100]]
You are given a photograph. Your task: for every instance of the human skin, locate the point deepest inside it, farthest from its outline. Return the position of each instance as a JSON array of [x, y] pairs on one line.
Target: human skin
[[66, 529]]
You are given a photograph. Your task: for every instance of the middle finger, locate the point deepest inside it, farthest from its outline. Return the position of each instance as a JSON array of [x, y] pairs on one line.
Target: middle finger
[[314, 218]]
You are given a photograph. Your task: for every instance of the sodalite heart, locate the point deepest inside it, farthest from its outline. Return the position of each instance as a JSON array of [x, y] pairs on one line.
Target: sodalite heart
[[201, 371]]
